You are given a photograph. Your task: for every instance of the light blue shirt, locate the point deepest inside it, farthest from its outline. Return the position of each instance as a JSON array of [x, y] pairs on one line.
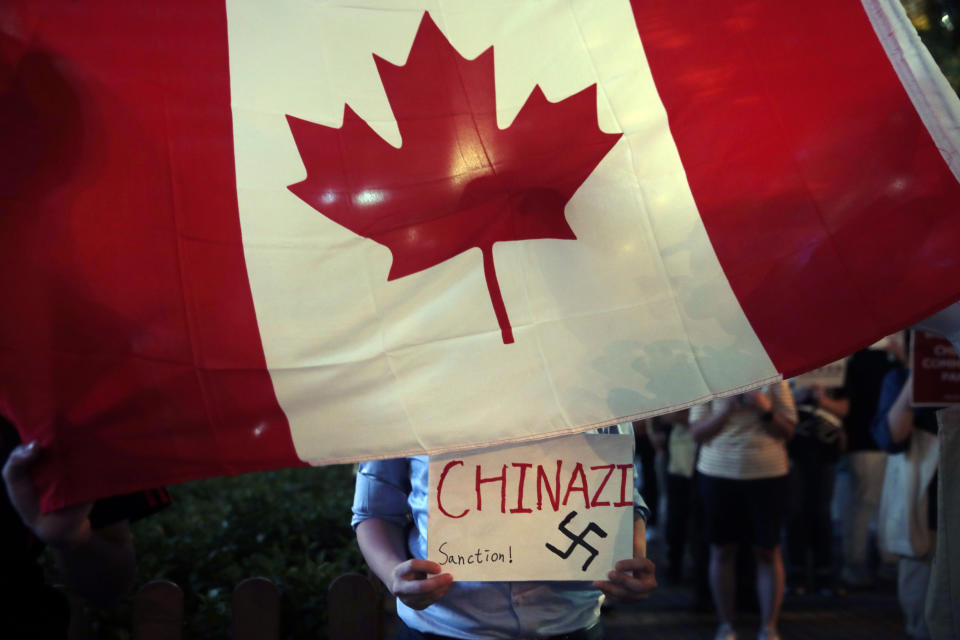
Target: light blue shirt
[[397, 491]]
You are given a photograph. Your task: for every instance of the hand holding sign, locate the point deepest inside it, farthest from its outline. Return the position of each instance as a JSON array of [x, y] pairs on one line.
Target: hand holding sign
[[414, 588], [415, 582], [632, 578]]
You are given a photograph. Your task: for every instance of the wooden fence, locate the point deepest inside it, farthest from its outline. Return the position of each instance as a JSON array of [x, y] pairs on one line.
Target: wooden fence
[[354, 611]]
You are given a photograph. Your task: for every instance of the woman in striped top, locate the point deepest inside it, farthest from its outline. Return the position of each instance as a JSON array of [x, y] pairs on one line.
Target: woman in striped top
[[743, 485]]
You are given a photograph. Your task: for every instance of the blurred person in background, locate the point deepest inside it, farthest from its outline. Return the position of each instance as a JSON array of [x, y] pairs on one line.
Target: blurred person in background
[[744, 487], [814, 450], [681, 459], [646, 454], [910, 493], [864, 461]]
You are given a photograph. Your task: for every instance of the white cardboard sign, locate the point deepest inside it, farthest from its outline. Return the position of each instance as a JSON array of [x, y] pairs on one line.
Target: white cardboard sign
[[557, 509]]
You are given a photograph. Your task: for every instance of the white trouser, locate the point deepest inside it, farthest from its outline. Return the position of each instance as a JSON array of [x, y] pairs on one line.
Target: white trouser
[[866, 478], [913, 576]]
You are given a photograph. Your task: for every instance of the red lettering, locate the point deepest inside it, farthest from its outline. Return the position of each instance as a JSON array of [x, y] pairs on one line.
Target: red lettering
[[543, 480], [623, 486], [596, 502], [443, 477], [502, 479], [582, 488], [578, 482], [523, 466]]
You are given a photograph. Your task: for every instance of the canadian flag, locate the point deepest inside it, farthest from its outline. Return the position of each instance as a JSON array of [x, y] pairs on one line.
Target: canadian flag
[[245, 235]]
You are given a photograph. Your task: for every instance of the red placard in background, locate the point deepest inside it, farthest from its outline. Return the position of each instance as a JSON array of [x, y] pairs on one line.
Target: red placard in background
[[936, 370]]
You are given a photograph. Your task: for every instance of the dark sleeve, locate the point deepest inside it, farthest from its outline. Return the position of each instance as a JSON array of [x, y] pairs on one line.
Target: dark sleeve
[[880, 427], [849, 374], [129, 507]]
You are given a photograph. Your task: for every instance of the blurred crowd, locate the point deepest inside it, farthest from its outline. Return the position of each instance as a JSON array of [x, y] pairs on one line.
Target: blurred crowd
[[777, 491]]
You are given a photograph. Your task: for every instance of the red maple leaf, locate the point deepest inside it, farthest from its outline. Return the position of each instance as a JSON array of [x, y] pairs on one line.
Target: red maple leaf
[[457, 181]]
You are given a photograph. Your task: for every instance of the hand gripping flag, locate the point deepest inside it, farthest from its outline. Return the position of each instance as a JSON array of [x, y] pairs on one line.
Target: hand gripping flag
[[243, 235]]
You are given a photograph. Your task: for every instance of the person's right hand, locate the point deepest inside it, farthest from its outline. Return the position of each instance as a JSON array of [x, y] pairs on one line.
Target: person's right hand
[[64, 528], [412, 586]]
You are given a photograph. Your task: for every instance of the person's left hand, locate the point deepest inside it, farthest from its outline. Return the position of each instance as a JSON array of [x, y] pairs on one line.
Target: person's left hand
[[63, 528], [631, 579]]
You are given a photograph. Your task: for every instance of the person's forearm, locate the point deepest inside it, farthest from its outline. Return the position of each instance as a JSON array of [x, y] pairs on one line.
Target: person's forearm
[[416, 582], [900, 416], [639, 537], [103, 568], [839, 407], [780, 414], [780, 426], [383, 546]]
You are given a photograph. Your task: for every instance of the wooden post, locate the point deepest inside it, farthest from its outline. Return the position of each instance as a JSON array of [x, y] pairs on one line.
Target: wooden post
[[79, 628], [256, 610], [158, 611], [353, 608]]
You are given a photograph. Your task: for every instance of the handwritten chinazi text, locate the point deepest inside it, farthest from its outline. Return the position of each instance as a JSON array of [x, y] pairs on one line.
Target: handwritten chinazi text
[[605, 485]]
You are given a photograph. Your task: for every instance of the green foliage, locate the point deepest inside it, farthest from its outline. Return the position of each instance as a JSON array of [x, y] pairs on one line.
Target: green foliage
[[291, 526]]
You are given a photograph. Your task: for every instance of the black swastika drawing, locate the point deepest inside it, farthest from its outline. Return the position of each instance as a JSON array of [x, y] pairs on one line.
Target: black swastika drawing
[[578, 540]]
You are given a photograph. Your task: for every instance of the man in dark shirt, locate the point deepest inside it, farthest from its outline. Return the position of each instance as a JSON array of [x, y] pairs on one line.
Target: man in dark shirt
[[91, 542], [861, 389]]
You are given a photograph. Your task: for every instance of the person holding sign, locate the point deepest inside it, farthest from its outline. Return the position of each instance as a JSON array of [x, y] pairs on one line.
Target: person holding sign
[[391, 507], [744, 487]]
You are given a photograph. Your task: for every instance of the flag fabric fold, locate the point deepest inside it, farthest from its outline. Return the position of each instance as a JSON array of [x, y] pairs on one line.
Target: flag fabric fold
[[239, 236]]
